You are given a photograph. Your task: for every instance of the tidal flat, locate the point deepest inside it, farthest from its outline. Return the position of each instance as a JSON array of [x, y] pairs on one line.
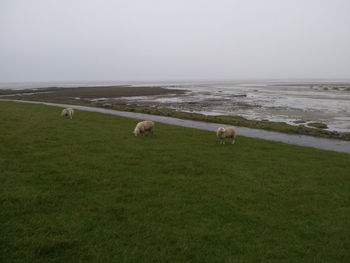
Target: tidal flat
[[315, 109]]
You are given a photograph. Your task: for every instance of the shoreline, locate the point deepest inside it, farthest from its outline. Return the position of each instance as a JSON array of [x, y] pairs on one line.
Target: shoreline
[[117, 97]]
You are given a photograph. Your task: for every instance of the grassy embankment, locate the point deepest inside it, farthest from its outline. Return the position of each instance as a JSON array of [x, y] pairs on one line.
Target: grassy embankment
[[69, 94], [87, 190], [83, 96]]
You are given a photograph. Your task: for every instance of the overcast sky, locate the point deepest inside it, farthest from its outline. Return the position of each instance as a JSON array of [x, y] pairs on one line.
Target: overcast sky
[[126, 40]]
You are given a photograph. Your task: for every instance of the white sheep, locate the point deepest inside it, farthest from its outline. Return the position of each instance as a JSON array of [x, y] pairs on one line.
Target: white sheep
[[228, 132], [144, 126], [68, 112]]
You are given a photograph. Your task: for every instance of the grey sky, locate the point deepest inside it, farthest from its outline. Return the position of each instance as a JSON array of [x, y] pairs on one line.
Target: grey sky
[[66, 40]]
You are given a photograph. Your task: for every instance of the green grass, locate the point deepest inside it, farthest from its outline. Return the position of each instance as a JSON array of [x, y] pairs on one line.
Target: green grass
[[299, 121], [69, 94], [87, 190], [318, 125]]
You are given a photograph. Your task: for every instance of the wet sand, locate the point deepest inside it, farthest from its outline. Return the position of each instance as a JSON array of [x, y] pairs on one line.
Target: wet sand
[[301, 140], [291, 103]]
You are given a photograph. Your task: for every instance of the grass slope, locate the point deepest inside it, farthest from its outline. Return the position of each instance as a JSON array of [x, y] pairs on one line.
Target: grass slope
[[87, 190]]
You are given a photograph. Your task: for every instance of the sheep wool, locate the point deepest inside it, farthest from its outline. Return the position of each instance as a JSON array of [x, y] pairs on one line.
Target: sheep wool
[[144, 126], [68, 112], [224, 133]]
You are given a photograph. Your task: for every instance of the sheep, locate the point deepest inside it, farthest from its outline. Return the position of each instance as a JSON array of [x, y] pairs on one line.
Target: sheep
[[68, 112], [228, 132], [144, 126]]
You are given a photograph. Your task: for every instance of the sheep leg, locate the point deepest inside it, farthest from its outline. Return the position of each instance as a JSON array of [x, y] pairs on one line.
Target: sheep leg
[[233, 141]]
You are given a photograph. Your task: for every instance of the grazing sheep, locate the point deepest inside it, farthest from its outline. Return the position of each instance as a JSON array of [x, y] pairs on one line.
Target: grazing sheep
[[228, 132], [68, 112], [144, 126]]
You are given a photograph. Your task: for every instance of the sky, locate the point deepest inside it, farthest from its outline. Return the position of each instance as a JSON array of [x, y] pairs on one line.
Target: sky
[[141, 40]]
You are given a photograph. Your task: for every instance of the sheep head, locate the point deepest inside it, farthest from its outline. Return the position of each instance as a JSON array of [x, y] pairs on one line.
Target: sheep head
[[221, 130], [136, 131]]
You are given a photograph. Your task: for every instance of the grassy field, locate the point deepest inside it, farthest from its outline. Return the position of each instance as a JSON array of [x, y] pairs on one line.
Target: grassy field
[[87, 93], [87, 190]]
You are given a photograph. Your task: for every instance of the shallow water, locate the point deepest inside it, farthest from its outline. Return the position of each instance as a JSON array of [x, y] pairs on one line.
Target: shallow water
[[283, 102]]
